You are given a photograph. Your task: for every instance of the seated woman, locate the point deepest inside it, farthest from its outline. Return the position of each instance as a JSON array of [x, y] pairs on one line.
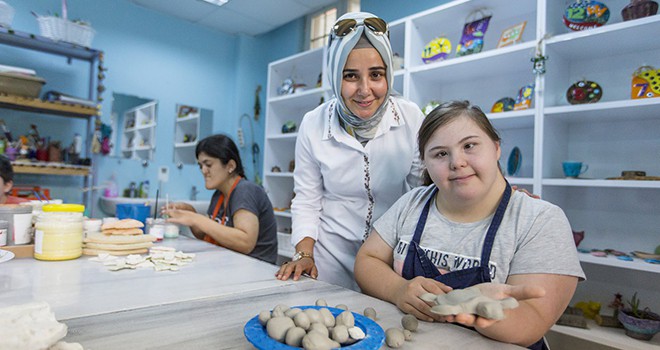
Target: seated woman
[[240, 216], [468, 228], [7, 182]]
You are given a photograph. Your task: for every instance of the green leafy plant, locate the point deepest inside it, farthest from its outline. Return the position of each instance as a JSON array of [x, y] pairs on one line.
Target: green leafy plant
[[635, 310]]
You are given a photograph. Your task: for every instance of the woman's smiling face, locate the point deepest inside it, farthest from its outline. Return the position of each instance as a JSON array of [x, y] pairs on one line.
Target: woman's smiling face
[[364, 82]]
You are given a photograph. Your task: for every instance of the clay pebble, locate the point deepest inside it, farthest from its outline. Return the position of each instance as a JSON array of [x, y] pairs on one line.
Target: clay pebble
[[394, 337], [409, 322], [370, 313]]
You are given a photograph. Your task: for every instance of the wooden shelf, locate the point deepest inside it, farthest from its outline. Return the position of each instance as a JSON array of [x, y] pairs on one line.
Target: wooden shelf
[[45, 168], [22, 103], [605, 336]]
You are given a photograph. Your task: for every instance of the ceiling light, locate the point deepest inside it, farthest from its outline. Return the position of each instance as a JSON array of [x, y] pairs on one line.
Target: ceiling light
[[216, 2]]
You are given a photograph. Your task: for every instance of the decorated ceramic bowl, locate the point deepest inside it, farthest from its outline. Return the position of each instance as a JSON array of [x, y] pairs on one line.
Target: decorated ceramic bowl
[[639, 328]]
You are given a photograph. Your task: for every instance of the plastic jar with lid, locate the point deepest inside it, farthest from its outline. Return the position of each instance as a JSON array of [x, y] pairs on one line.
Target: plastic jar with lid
[[59, 232]]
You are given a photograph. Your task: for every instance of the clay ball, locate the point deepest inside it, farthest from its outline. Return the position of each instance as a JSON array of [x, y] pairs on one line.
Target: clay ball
[[394, 337], [409, 322]]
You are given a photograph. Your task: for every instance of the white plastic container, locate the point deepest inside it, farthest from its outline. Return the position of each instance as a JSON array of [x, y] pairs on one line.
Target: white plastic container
[[20, 223], [59, 232]]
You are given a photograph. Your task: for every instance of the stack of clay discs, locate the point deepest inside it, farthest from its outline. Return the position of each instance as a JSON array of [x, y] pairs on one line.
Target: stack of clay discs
[[121, 237]]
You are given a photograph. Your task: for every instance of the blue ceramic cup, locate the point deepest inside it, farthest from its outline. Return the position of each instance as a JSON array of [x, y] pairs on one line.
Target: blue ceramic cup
[[574, 169]]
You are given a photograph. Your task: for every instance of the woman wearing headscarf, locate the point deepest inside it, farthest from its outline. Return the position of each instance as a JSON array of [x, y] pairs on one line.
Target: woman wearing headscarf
[[356, 154]]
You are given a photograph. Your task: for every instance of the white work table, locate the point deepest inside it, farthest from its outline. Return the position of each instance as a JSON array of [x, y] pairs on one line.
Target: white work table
[[204, 305]]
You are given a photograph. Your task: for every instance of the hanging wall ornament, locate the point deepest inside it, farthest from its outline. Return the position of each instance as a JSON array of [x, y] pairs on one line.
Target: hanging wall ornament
[[436, 50], [257, 103], [584, 91], [645, 83], [539, 59], [586, 14], [472, 40]]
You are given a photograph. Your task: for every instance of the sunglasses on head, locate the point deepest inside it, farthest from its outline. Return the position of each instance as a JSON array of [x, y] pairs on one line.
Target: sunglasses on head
[[346, 26]]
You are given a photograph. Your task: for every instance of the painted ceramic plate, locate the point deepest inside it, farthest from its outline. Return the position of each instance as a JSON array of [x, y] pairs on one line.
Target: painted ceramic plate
[[5, 255], [644, 255], [515, 160], [375, 336]]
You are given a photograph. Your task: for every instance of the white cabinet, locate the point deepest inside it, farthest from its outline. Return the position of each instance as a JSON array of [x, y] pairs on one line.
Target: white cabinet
[[304, 68], [139, 132], [615, 134], [191, 125]]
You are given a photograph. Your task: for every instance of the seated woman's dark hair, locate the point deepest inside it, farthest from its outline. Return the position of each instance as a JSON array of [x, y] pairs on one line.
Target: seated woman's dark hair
[[6, 170], [221, 147]]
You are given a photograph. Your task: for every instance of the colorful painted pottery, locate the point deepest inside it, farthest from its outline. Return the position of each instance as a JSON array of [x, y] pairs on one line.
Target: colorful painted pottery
[[640, 328], [504, 104], [638, 9], [584, 91], [436, 50], [645, 83], [524, 98], [586, 14]]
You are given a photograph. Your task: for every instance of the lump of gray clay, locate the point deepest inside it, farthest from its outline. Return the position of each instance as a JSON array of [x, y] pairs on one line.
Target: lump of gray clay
[[319, 327], [278, 326], [370, 313], [292, 312], [409, 322], [394, 337], [407, 335], [302, 320], [342, 306], [346, 318], [471, 301], [264, 316], [328, 317], [314, 315], [340, 334], [294, 336], [317, 341], [321, 302]]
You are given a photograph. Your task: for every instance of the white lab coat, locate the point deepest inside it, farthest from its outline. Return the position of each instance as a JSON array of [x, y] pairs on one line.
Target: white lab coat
[[342, 187]]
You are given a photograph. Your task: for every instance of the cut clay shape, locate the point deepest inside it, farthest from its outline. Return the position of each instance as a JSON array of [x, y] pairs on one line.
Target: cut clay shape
[[470, 301]]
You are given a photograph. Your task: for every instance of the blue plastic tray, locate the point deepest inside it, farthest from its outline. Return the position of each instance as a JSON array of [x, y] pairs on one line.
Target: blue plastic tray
[[374, 339]]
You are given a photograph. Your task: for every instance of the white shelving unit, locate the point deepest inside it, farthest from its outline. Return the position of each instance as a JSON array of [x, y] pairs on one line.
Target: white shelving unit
[[188, 130], [139, 134], [615, 134]]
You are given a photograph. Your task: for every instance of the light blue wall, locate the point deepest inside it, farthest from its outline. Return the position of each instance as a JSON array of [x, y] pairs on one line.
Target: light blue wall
[[172, 61]]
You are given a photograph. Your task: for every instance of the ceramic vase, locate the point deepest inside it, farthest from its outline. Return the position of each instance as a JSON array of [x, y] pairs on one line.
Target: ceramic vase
[[638, 9]]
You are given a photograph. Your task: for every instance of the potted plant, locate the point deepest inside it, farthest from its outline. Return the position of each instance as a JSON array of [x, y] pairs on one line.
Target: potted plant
[[639, 323]]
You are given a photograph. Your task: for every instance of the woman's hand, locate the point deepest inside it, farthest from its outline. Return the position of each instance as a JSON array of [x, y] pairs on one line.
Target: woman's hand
[[297, 268], [182, 216], [177, 206], [408, 297], [496, 291]]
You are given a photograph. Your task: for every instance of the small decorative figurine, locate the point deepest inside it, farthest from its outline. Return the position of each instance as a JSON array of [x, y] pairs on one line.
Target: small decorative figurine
[[645, 83], [524, 98], [638, 9], [436, 50], [289, 127], [584, 91], [586, 14], [286, 88], [512, 35], [472, 40], [275, 169], [504, 104]]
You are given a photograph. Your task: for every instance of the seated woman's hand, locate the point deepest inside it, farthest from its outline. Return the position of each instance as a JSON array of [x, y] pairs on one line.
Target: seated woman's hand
[[407, 297], [297, 268], [497, 291], [182, 216], [177, 206]]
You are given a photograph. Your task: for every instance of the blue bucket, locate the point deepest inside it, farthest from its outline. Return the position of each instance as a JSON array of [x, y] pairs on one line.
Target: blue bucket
[[139, 212]]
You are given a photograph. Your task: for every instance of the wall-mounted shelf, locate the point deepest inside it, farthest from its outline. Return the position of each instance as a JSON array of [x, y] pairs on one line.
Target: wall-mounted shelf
[[22, 103], [47, 168]]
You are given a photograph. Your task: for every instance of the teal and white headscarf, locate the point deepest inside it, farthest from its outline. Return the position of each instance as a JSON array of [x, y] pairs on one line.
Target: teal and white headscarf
[[337, 55]]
